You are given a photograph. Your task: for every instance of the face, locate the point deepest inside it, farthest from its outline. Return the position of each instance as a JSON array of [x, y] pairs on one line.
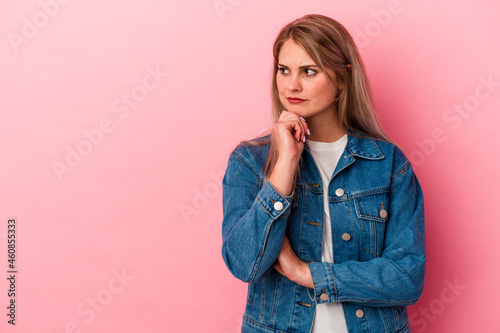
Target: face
[[303, 88]]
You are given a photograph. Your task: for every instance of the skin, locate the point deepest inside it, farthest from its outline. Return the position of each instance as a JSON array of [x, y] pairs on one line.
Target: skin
[[299, 76]]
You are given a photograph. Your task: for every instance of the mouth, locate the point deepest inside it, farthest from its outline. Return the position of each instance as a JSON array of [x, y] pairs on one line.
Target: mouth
[[295, 100]]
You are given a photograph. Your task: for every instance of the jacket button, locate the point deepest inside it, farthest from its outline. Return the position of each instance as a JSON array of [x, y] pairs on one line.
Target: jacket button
[[278, 205], [324, 297], [346, 236], [360, 313], [383, 213], [339, 192]]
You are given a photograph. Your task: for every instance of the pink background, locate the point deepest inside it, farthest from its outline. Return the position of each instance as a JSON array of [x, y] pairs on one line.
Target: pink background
[[142, 199]]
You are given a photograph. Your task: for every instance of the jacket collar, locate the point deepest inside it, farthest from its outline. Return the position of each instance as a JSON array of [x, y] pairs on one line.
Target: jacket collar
[[363, 146], [358, 145]]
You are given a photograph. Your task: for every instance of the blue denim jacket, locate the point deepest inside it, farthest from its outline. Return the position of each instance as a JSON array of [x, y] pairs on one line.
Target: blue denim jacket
[[377, 216]]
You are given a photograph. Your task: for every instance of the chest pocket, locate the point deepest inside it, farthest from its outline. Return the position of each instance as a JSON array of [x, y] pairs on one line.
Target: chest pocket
[[372, 211]]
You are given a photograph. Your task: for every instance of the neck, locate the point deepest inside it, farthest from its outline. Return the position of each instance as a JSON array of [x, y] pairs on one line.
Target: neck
[[325, 128]]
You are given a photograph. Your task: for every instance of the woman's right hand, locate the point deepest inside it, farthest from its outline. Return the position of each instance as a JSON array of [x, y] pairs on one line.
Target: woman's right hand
[[289, 134]]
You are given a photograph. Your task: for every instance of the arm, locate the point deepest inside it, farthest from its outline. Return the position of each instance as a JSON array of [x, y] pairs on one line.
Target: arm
[[253, 228], [395, 278], [292, 267], [255, 218]]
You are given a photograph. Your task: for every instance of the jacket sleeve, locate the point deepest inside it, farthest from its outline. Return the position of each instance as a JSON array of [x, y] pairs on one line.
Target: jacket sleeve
[[254, 223], [397, 276]]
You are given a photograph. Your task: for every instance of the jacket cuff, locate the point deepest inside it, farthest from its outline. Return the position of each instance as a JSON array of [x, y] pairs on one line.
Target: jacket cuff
[[273, 202], [325, 290]]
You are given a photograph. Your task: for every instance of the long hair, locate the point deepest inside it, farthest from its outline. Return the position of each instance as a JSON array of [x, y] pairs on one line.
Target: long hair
[[331, 47]]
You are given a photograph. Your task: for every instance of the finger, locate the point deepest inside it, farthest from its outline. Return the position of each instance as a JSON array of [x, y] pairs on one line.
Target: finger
[[300, 130], [293, 124], [286, 127], [305, 129], [296, 124], [305, 126], [300, 135]]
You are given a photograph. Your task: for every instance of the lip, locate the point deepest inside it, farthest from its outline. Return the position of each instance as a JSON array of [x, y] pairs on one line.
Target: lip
[[295, 100]]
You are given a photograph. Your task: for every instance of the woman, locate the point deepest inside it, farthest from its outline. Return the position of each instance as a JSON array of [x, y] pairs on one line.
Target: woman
[[324, 217]]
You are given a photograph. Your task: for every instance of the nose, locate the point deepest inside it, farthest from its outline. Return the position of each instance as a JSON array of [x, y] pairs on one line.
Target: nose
[[294, 83]]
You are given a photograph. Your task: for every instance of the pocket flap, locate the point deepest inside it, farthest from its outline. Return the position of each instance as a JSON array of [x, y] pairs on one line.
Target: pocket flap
[[373, 207]]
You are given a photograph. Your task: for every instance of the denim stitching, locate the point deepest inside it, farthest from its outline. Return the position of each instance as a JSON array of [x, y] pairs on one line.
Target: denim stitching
[[263, 300], [274, 308], [399, 172], [293, 306], [263, 327], [395, 317], [335, 294], [386, 321], [404, 329], [242, 159], [352, 228]]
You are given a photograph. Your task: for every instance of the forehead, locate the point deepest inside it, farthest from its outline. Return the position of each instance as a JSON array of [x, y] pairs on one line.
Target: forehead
[[292, 54]]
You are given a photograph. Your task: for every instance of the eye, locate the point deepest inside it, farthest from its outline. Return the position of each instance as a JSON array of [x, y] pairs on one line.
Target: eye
[[310, 72], [283, 70]]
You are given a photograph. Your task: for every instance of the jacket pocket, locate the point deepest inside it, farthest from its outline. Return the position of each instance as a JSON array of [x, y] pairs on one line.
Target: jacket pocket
[[372, 211]]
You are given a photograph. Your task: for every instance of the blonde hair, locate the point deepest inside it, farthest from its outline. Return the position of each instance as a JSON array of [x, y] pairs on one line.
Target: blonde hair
[[331, 47]]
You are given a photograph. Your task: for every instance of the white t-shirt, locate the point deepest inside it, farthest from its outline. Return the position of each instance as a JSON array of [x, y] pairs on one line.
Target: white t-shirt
[[329, 316]]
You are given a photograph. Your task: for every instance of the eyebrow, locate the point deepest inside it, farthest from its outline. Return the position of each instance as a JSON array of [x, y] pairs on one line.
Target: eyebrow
[[301, 67]]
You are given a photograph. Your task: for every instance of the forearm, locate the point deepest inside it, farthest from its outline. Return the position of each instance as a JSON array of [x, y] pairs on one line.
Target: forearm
[[252, 238], [292, 267], [378, 282], [283, 174], [397, 275]]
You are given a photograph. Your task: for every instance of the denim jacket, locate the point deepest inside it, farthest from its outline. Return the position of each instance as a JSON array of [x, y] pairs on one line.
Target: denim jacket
[[377, 219]]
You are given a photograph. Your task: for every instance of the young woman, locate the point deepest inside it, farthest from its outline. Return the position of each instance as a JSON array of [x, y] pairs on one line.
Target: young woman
[[324, 217]]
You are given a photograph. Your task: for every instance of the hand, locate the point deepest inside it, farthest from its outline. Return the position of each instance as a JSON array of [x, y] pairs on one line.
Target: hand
[[292, 267], [289, 135]]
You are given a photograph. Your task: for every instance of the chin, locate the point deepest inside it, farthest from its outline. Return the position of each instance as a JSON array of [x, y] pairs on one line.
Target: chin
[[296, 111], [295, 108]]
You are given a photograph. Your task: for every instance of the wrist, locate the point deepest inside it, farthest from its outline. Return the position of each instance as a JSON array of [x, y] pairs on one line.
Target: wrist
[[288, 161], [283, 175], [306, 277]]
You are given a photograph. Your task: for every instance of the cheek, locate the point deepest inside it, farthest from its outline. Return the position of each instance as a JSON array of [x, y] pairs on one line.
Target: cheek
[[325, 91], [279, 84]]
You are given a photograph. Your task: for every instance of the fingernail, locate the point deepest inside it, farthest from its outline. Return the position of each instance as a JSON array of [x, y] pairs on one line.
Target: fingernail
[[304, 139], [302, 119], [298, 139], [308, 132]]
